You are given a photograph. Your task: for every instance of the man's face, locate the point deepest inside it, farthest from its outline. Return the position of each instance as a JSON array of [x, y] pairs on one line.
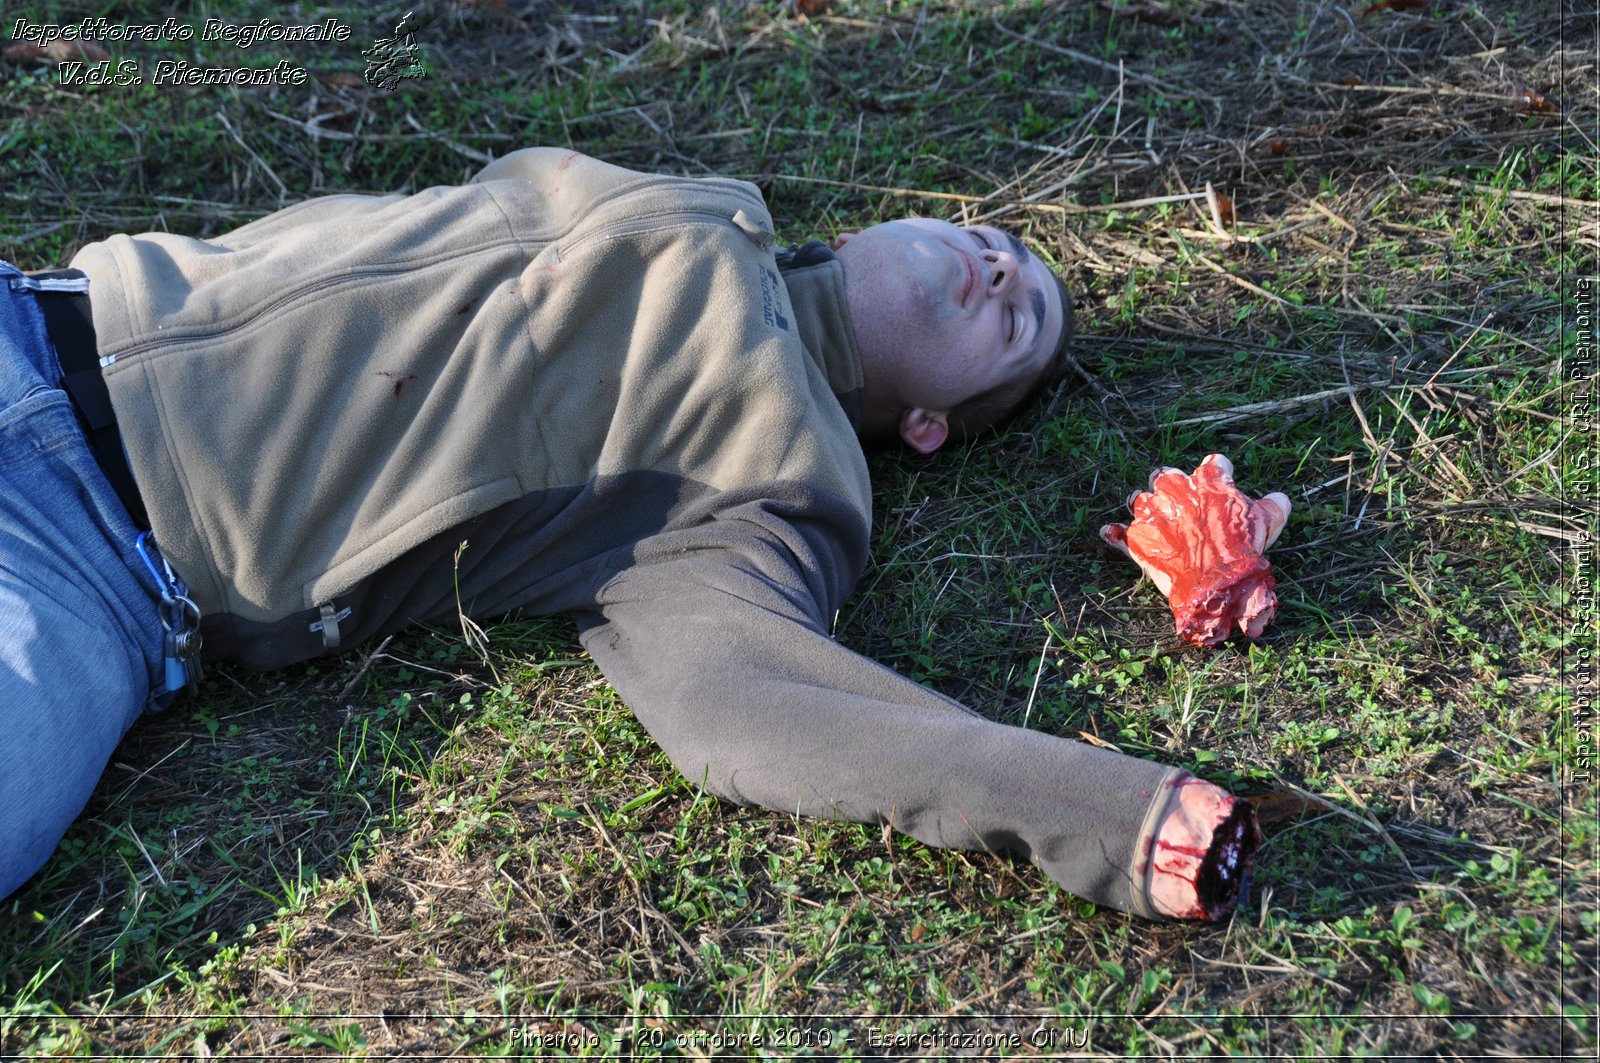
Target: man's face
[[944, 313]]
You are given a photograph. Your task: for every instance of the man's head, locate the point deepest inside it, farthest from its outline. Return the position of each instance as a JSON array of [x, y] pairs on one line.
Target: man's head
[[956, 326]]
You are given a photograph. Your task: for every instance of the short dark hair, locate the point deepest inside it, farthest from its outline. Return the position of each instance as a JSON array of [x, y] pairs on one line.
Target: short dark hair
[[982, 412]]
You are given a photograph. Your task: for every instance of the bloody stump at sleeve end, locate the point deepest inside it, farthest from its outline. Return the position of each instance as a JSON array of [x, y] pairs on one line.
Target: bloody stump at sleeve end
[[1223, 880], [1201, 853]]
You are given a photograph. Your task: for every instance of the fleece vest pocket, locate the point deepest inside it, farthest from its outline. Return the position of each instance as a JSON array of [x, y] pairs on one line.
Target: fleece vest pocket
[[363, 562]]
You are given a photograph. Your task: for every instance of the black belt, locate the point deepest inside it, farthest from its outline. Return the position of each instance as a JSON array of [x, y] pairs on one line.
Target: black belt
[[66, 318]]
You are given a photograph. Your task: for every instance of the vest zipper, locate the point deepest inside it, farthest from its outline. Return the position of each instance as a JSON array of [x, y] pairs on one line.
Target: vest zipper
[[646, 224], [282, 300]]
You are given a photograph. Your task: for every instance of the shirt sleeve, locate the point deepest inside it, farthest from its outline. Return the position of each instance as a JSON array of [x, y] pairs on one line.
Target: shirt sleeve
[[716, 637]]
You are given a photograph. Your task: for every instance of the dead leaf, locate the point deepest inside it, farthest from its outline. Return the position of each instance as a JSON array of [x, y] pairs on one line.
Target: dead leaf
[[918, 932], [72, 51], [58, 52], [343, 80], [1395, 5], [1278, 146], [1096, 740], [1530, 101], [1279, 807], [812, 8], [1224, 209]]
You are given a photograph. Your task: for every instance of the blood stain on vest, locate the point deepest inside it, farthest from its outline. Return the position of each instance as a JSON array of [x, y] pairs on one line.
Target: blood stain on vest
[[400, 379]]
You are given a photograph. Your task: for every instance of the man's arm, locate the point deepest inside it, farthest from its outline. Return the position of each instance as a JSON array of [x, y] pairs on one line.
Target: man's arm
[[714, 637]]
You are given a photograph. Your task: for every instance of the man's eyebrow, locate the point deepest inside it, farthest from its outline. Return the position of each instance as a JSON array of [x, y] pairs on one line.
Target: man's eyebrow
[[1017, 247]]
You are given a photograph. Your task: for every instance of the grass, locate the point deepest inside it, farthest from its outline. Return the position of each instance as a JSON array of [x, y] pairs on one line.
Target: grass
[[416, 849]]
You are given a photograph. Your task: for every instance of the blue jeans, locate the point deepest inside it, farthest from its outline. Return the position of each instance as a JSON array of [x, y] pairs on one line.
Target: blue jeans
[[80, 636]]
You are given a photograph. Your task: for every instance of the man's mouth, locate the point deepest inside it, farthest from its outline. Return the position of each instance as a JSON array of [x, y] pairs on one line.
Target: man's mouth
[[972, 277]]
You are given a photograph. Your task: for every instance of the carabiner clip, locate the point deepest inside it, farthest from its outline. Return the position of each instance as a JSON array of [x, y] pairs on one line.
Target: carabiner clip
[[180, 621], [144, 555]]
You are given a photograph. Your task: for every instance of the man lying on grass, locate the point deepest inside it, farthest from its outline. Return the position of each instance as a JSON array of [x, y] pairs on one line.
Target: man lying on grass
[[629, 403]]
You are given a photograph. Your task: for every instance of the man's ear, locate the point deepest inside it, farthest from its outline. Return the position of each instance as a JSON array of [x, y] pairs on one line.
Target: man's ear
[[842, 239], [924, 431]]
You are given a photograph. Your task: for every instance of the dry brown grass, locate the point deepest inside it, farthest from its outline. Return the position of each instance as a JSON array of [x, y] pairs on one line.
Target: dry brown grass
[[1377, 326]]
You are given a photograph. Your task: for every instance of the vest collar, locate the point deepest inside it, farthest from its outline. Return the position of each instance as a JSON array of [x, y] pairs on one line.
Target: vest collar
[[815, 280]]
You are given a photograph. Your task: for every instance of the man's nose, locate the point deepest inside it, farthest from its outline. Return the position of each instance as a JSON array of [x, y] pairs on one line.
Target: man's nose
[[1003, 269]]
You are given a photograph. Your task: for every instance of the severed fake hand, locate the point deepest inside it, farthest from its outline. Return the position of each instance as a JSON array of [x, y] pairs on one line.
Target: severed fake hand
[[1202, 543]]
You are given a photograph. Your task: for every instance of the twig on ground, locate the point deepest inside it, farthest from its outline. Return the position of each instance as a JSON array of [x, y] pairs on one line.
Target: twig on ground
[[1253, 409], [361, 672], [1037, 673], [1277, 300], [1366, 818], [1115, 68], [956, 197], [134, 833], [1509, 193], [1214, 214], [266, 168]]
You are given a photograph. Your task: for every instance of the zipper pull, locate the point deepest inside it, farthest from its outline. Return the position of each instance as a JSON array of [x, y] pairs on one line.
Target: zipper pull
[[328, 625], [755, 228]]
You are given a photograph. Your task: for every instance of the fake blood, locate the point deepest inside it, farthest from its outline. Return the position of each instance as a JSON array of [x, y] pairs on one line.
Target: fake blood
[[400, 379], [1219, 873], [1224, 877]]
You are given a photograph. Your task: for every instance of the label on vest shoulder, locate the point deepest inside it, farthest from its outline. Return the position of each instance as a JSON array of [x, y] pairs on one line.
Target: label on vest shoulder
[[772, 299]]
